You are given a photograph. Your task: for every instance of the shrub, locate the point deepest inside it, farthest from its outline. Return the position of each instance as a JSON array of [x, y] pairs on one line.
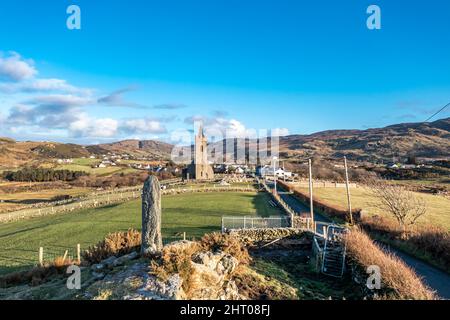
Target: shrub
[[398, 280], [36, 275], [40, 175], [118, 243], [175, 260], [227, 243]]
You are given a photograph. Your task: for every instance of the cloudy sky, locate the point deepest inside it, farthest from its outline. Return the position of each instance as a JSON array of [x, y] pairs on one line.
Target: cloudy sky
[[149, 69]]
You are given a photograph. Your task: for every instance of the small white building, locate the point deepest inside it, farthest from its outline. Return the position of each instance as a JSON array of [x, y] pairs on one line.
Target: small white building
[[279, 172], [239, 170]]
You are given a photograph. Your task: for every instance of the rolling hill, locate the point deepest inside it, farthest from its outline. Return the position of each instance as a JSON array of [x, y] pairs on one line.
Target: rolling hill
[[428, 140]]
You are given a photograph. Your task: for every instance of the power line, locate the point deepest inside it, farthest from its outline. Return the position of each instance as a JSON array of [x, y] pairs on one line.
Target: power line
[[442, 109]]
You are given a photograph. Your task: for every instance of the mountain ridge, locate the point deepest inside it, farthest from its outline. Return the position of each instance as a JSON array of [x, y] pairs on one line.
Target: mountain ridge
[[421, 139]]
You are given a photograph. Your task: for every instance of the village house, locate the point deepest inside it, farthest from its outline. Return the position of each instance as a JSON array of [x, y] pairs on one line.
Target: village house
[[64, 161]]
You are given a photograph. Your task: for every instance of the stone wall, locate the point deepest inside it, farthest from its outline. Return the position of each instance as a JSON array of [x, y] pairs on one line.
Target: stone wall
[[259, 235]]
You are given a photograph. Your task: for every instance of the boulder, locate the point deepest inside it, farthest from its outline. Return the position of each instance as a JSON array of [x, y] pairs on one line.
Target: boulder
[[123, 259]]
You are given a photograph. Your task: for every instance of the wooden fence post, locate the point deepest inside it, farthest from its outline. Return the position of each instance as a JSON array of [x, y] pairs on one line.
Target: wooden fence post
[[349, 201], [184, 236], [79, 253], [65, 256], [41, 256]]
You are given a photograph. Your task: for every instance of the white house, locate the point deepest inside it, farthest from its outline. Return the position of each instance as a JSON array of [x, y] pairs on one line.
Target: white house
[[239, 170], [279, 172]]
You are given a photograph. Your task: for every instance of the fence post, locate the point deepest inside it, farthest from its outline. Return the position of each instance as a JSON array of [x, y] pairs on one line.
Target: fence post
[[79, 253], [65, 256], [184, 236], [41, 256]]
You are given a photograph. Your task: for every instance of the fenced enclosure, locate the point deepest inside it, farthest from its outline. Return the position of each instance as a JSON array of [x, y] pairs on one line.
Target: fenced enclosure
[[109, 197], [233, 223], [50, 254]]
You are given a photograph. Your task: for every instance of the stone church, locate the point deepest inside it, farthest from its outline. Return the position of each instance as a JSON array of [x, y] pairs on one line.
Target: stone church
[[200, 169]]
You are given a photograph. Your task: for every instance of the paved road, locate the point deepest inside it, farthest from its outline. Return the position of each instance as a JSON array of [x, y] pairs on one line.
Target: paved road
[[436, 279], [433, 277], [299, 207]]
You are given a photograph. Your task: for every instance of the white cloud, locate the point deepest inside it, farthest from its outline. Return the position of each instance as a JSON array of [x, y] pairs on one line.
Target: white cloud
[[86, 126], [233, 128], [104, 128], [14, 68], [60, 100], [140, 126], [43, 85]]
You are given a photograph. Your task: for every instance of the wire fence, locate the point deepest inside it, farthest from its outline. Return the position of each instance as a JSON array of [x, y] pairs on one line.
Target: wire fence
[[234, 223], [58, 254], [105, 198]]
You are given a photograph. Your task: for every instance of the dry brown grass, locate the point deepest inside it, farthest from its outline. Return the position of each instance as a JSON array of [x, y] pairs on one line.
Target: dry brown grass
[[177, 259], [398, 280], [330, 209], [227, 243], [429, 239], [118, 243], [173, 260], [37, 275]]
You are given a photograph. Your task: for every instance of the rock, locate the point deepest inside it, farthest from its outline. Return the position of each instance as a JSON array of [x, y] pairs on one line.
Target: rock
[[231, 292], [208, 259], [169, 290], [97, 267], [123, 259], [109, 262], [98, 275], [227, 265], [151, 217]]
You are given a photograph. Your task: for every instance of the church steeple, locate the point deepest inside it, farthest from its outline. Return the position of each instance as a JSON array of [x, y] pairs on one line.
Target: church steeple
[[200, 131]]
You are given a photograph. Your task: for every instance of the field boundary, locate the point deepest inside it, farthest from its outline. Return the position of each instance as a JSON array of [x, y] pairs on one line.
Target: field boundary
[[110, 197]]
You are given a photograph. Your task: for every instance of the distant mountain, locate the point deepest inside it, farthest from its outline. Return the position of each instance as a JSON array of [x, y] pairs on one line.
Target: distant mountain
[[148, 148], [16, 154], [429, 140]]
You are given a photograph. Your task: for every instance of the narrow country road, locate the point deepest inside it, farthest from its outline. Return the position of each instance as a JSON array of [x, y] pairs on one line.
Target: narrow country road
[[436, 279]]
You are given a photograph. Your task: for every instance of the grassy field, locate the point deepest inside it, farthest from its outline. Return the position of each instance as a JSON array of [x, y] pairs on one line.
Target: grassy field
[[195, 214], [438, 207], [26, 198]]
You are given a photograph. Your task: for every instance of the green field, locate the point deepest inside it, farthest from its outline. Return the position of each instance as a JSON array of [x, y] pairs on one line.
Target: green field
[[195, 214]]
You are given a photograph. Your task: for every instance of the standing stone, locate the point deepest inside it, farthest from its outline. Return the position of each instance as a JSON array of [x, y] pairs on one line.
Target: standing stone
[[151, 216]]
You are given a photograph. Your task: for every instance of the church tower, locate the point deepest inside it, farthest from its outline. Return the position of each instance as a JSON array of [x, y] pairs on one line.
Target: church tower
[[200, 168]]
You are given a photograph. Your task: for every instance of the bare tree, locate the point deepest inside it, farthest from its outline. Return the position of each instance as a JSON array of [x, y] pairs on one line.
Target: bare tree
[[404, 205]]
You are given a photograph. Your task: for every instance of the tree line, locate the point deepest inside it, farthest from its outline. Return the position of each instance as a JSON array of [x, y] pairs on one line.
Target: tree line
[[42, 175]]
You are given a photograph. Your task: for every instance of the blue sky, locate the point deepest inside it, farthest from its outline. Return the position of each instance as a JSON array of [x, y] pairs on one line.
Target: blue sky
[[142, 69]]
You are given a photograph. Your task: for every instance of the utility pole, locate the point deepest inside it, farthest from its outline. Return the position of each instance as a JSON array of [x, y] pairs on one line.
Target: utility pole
[[274, 175], [348, 192], [311, 200]]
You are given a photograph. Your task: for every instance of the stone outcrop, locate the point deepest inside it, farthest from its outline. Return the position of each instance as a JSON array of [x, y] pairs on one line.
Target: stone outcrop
[[210, 279]]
